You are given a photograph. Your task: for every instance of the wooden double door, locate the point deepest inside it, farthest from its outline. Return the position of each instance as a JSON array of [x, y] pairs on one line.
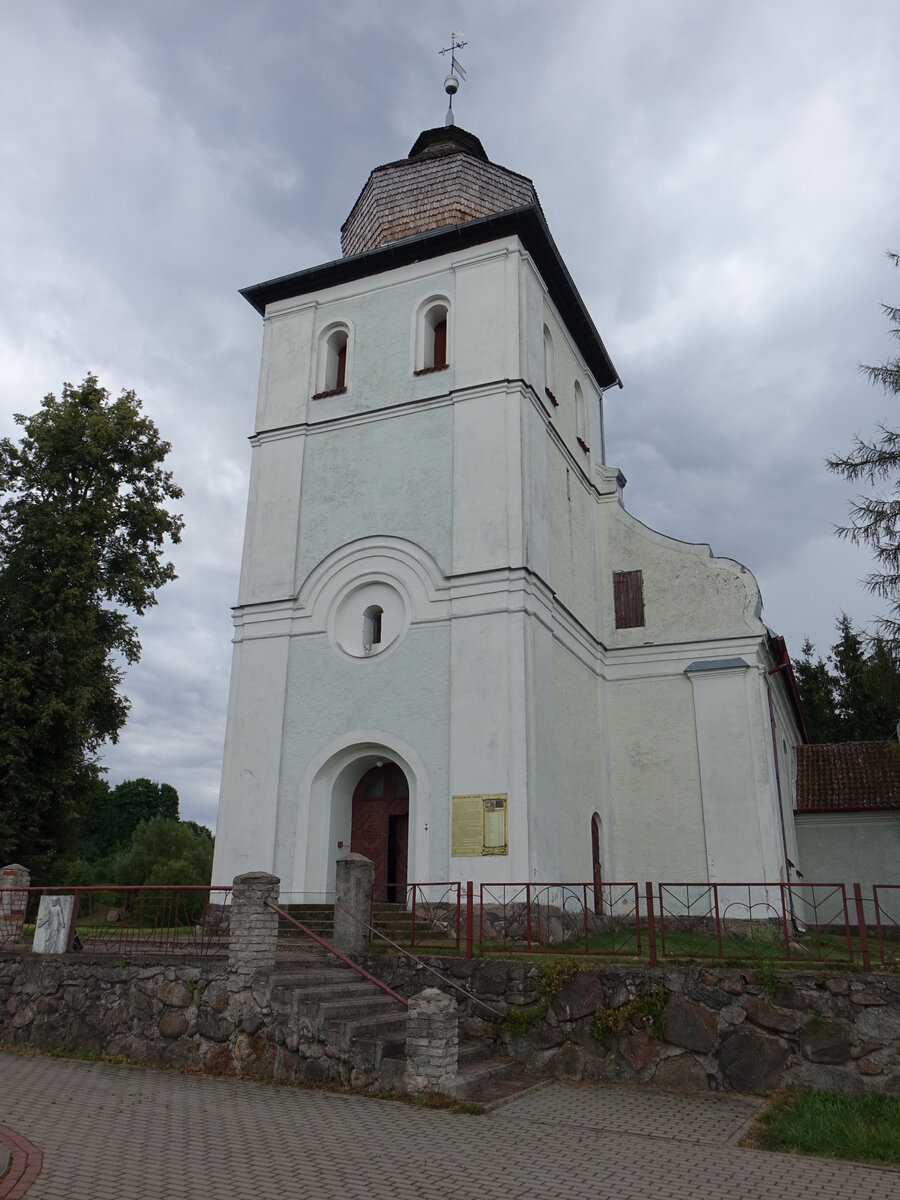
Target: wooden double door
[[380, 828]]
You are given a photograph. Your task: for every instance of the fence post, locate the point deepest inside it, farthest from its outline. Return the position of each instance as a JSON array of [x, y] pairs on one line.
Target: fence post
[[254, 926], [651, 923], [861, 927], [470, 917]]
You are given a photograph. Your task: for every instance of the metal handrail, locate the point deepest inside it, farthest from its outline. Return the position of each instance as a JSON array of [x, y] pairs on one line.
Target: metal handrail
[[337, 953], [415, 958]]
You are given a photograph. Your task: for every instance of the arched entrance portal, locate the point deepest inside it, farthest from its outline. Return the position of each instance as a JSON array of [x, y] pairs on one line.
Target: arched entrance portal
[[380, 828]]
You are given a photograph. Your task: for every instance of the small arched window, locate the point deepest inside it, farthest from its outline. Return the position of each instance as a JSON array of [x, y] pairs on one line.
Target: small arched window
[[372, 626], [549, 369], [432, 339], [332, 367], [580, 418]]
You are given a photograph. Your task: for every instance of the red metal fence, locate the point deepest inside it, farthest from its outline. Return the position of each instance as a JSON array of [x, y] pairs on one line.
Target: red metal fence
[[797, 923], [428, 918], [886, 903], [125, 920], [560, 918]]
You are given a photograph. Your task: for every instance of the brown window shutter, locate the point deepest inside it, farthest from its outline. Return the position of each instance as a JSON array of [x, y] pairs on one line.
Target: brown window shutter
[[440, 344], [341, 368], [628, 594]]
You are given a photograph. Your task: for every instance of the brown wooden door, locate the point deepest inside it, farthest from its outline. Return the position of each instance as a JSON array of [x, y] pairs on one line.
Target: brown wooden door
[[380, 828]]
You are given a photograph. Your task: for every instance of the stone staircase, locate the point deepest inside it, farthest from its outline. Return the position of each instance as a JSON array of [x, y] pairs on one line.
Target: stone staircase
[[317, 917], [329, 1000], [393, 920]]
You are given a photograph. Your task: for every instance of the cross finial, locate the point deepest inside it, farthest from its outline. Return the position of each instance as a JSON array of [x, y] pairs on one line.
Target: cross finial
[[457, 72]]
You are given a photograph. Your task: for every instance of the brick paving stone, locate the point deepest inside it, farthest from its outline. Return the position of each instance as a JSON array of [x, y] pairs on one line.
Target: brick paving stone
[[133, 1134]]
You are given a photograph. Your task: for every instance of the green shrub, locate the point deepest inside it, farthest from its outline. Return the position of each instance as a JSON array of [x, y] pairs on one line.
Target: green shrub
[[646, 1011]]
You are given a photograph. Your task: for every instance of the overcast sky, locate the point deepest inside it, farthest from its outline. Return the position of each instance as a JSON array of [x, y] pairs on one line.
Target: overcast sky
[[722, 178]]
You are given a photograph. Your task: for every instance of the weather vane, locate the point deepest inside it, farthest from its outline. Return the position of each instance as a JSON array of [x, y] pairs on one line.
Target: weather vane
[[457, 72]]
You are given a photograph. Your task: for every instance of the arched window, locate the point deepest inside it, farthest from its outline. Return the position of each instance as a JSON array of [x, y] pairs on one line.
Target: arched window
[[331, 375], [549, 369], [431, 339], [580, 418], [372, 626]]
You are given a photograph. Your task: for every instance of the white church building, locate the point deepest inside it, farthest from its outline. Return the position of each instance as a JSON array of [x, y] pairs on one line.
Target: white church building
[[455, 650]]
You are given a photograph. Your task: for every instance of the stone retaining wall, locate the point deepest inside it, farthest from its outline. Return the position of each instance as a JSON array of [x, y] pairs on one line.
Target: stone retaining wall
[[724, 1028], [191, 1014]]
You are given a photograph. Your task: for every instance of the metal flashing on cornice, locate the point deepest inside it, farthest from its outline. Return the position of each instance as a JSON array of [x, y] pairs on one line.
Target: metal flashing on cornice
[[526, 222], [716, 664]]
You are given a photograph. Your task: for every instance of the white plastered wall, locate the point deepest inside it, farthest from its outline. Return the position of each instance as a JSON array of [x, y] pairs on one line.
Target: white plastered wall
[[510, 676], [853, 847]]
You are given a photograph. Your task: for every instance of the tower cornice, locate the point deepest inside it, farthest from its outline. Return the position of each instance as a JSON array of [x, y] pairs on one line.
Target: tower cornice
[[525, 222]]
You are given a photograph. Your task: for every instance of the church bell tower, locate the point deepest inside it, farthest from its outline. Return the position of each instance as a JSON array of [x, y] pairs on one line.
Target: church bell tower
[[419, 605]]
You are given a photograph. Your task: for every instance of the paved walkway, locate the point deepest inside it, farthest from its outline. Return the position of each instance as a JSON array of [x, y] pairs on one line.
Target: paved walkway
[[126, 1133]]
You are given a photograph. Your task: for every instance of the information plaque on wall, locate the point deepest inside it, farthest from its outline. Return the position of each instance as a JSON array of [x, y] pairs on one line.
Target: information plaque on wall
[[478, 825]]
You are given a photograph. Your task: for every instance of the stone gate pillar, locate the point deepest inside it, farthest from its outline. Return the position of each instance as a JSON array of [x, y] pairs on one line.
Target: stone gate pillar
[[432, 1042], [12, 902], [254, 927], [353, 902]]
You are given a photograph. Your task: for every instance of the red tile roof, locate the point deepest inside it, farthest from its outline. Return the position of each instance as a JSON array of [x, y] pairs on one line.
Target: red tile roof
[[848, 777]]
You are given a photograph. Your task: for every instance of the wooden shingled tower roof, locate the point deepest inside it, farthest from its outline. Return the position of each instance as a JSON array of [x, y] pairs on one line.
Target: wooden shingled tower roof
[[447, 179]]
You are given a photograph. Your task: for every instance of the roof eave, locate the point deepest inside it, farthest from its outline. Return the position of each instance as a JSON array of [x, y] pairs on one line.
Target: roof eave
[[527, 222]]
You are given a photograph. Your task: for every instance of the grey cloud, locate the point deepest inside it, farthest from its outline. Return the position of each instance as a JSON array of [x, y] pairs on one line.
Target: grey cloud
[[721, 178]]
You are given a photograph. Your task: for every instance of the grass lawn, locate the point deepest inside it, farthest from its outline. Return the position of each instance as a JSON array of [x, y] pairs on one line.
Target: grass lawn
[[862, 1128]]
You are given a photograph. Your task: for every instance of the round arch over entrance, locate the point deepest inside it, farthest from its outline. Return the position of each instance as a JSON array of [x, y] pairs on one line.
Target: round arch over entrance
[[380, 828], [323, 828]]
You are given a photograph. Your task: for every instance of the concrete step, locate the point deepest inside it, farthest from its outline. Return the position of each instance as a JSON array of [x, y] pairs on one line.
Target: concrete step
[[493, 1082], [476, 1050], [386, 1053], [482, 1076], [315, 976], [377, 1025], [323, 992], [363, 1006]]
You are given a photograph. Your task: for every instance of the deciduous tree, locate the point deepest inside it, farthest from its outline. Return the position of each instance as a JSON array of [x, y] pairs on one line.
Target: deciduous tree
[[83, 530]]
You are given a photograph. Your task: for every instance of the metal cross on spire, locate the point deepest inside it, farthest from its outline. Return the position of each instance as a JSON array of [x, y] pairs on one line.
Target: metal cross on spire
[[457, 72]]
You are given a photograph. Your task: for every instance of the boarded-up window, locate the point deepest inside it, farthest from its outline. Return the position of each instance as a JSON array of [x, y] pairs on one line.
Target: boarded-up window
[[628, 593]]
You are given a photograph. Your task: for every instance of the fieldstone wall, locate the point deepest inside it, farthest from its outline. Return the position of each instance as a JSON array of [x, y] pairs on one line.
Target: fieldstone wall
[[728, 1029], [732, 1029], [185, 1013]]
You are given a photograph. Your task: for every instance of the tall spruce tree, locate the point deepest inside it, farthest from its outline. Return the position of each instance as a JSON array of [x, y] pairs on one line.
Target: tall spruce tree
[[853, 694], [83, 527], [875, 519]]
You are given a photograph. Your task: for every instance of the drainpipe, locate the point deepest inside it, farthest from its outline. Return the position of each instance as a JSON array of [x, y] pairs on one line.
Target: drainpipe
[[787, 861]]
